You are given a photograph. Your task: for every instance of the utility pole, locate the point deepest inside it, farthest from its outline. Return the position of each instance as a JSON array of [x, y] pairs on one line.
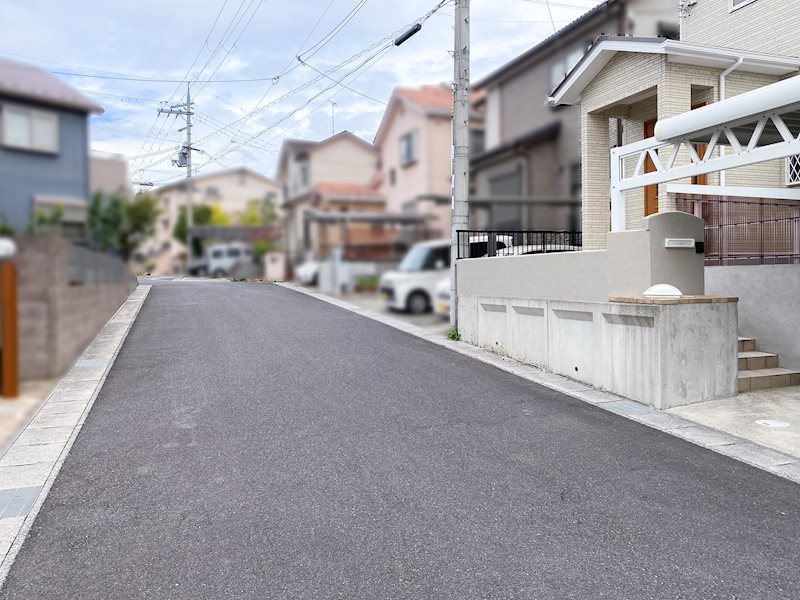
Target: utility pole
[[185, 159], [460, 202], [333, 117]]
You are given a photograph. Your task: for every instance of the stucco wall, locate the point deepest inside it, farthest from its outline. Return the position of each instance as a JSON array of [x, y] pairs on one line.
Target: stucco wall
[[634, 261], [762, 26], [24, 175], [768, 305]]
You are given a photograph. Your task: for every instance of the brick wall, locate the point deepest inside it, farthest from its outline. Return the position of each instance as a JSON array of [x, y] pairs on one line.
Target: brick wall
[[57, 320]]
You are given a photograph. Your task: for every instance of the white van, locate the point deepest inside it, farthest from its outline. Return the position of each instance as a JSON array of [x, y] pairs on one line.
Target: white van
[[221, 259], [412, 287]]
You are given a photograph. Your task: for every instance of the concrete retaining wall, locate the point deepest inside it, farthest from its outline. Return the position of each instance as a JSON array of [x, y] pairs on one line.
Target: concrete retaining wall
[[661, 355], [58, 319], [769, 300]]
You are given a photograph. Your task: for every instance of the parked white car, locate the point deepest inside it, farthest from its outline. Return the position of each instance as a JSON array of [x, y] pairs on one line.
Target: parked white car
[[441, 303], [412, 287], [308, 273]]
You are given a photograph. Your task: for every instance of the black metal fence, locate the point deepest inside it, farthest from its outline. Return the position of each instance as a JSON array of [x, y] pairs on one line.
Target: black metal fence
[[476, 243], [747, 231]]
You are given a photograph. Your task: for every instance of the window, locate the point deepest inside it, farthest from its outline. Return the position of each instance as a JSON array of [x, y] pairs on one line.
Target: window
[[30, 129], [734, 4], [217, 253], [506, 184], [212, 191], [234, 252], [392, 176], [793, 170], [408, 149], [304, 174]]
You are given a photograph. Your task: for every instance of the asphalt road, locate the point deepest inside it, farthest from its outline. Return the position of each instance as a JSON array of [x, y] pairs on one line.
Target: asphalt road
[[253, 442]]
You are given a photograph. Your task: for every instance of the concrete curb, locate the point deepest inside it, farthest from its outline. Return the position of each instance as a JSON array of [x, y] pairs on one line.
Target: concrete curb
[[743, 450], [31, 463]]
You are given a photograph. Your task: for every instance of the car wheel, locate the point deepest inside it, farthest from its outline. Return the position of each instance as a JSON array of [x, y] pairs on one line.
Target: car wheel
[[417, 303]]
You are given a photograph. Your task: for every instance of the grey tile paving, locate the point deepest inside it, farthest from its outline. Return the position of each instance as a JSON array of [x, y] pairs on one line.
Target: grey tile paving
[[45, 435], [16, 502], [756, 455], [19, 454], [704, 436], [18, 476], [54, 420]]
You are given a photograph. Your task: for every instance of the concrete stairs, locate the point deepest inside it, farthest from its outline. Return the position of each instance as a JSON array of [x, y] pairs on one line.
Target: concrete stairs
[[760, 371]]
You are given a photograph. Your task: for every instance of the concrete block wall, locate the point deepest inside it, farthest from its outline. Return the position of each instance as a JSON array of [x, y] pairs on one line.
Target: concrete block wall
[[58, 320], [661, 355]]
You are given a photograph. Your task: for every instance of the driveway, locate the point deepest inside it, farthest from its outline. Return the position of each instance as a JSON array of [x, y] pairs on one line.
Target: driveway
[[254, 442]]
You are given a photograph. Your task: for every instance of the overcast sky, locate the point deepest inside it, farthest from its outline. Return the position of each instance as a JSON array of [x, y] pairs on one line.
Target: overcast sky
[[254, 39]]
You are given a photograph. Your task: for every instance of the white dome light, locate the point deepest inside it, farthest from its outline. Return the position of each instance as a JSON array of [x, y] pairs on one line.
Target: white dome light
[[662, 289]]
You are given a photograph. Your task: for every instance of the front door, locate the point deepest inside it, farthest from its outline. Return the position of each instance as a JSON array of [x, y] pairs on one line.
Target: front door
[[650, 191], [701, 150]]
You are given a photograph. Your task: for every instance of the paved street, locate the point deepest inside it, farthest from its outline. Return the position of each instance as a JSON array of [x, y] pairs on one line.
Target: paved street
[[254, 442]]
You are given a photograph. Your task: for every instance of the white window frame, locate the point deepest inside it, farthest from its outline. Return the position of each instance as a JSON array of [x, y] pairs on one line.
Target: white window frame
[[732, 7], [31, 113], [793, 167]]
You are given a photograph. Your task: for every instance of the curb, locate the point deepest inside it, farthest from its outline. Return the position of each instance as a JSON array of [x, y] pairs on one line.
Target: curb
[[32, 461], [737, 448]]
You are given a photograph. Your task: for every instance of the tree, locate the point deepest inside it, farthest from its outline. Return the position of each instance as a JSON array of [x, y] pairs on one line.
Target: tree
[[201, 215], [259, 213], [117, 223], [219, 217]]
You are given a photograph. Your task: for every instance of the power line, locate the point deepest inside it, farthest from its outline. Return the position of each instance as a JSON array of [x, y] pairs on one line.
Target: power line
[[344, 85]]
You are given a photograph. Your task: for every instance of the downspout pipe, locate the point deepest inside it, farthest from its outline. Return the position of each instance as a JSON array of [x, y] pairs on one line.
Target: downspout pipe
[[722, 96]]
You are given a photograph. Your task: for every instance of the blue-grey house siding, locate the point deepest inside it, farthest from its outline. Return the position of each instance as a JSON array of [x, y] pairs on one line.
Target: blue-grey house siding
[[25, 174]]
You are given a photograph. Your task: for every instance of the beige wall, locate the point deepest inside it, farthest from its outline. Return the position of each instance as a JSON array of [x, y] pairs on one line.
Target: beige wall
[[762, 26], [229, 190], [343, 161], [429, 175], [634, 261], [109, 173]]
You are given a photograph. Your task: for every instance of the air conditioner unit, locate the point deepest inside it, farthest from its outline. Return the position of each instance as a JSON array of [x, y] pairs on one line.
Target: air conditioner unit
[[793, 170]]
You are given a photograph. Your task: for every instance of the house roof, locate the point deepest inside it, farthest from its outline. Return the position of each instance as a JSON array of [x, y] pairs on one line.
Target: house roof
[[181, 183], [291, 146], [436, 97], [27, 82], [537, 136], [606, 47], [432, 100], [603, 10]]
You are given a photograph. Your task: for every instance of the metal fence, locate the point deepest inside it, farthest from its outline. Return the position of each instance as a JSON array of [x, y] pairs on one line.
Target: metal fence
[[747, 231], [476, 243]]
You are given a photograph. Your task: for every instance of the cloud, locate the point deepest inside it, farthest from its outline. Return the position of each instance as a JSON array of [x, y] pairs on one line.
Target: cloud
[[163, 40]]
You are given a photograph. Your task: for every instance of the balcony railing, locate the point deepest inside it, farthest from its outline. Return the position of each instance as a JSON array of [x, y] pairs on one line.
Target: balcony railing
[[477, 243]]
